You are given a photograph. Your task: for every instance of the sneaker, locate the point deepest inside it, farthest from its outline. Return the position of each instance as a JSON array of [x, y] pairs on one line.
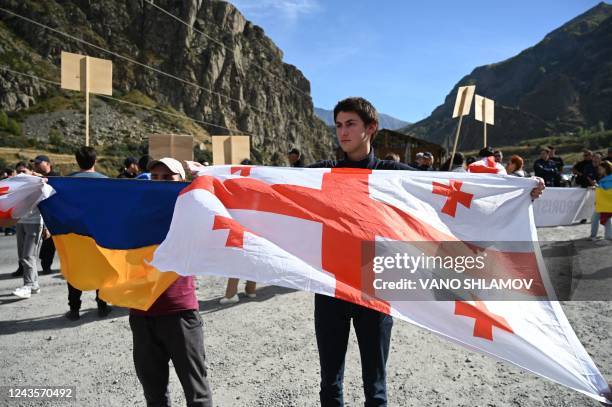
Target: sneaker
[[250, 295], [23, 292], [231, 300], [72, 315], [592, 238], [104, 310], [35, 290]]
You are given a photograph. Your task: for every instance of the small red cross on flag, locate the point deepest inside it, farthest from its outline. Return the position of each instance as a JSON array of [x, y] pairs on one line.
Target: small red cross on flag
[[485, 320], [455, 195]]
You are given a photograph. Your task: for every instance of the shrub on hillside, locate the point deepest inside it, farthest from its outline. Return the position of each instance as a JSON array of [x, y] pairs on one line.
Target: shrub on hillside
[[3, 120], [56, 138], [13, 127]]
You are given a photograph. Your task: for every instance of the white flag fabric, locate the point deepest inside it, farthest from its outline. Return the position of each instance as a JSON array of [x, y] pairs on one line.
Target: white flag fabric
[[19, 194], [305, 229]]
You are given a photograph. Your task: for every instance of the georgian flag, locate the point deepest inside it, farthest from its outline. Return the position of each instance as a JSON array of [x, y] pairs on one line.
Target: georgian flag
[[487, 165], [305, 229], [19, 194]]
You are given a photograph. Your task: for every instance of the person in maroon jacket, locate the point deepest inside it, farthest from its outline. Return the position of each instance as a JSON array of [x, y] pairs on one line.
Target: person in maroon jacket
[[171, 329]]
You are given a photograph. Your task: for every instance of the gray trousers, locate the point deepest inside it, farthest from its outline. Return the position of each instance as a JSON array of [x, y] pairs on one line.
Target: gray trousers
[[28, 245], [178, 337]]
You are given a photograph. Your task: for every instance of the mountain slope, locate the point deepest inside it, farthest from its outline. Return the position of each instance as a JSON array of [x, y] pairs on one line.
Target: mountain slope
[[562, 84], [242, 85]]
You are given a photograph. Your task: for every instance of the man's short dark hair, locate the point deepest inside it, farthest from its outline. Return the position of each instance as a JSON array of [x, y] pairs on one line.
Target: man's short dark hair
[[85, 157], [129, 161], [458, 159], [294, 151], [21, 164], [486, 152], [143, 162], [364, 109]]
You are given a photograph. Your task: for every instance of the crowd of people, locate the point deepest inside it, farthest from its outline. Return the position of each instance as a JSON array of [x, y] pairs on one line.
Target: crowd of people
[[171, 329]]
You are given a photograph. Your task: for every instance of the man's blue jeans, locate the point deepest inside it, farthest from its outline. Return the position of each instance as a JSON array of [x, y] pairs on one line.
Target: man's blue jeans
[[373, 329]]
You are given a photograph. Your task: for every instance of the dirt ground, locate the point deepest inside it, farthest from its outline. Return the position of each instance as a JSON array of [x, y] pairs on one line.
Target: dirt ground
[[262, 352]]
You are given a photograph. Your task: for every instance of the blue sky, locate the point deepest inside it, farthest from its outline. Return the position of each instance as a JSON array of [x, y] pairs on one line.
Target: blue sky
[[402, 55]]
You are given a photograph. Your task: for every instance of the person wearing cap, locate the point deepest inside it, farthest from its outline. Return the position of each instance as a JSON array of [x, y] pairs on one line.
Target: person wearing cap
[[42, 165], [86, 160], [294, 157], [166, 169], [418, 161], [171, 329], [29, 232], [130, 168], [428, 161]]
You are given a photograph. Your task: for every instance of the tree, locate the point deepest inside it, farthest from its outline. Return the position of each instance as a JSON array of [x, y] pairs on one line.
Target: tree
[[3, 120], [14, 127]]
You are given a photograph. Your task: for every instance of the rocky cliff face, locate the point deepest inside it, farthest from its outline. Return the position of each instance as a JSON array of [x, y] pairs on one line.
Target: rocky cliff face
[[559, 85], [241, 82]]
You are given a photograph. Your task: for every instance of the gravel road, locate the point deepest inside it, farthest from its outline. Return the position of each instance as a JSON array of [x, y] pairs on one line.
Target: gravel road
[[262, 352]]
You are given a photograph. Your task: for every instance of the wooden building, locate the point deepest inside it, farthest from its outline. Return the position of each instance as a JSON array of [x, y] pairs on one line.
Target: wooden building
[[407, 147]]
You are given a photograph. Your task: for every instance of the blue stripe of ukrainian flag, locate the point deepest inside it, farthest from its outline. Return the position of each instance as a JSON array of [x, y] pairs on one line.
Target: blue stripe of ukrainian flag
[[105, 232]]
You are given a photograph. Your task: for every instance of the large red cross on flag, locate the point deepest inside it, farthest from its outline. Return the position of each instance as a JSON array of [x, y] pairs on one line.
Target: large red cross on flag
[[309, 228], [349, 216]]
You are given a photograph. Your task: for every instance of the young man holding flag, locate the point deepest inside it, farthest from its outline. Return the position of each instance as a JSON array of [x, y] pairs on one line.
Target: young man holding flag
[[356, 126], [171, 329]]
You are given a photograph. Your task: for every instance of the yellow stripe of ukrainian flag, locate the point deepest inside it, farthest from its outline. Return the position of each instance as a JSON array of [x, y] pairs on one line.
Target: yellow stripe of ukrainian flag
[[603, 200], [124, 277]]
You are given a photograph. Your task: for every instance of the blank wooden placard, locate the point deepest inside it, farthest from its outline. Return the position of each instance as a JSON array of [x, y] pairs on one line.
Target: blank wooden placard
[[463, 102], [488, 105], [177, 146], [230, 150], [73, 74]]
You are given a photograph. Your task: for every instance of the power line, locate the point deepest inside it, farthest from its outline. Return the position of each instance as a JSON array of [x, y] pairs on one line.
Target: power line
[[223, 45], [29, 75], [172, 114], [131, 103], [131, 60]]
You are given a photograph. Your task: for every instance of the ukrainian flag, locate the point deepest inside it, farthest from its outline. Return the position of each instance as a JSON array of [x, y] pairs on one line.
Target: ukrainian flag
[[105, 232], [603, 195]]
